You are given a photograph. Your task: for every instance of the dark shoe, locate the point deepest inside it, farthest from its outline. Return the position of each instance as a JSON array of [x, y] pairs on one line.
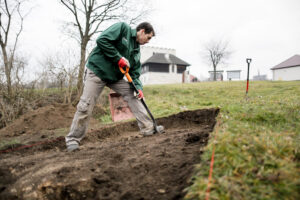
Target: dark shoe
[[72, 147]]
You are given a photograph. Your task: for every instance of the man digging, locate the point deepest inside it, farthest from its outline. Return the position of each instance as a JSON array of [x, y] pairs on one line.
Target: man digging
[[117, 47]]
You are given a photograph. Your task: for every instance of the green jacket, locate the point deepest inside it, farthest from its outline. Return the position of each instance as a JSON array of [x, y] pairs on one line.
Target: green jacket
[[116, 42]]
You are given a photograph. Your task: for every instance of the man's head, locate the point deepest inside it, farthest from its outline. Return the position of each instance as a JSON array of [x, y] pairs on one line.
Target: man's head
[[144, 33]]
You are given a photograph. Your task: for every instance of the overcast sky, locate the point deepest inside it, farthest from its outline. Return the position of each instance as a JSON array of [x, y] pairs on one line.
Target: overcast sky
[[268, 31]]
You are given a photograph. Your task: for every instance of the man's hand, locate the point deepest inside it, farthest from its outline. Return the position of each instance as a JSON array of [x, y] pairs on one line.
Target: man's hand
[[123, 62], [140, 94]]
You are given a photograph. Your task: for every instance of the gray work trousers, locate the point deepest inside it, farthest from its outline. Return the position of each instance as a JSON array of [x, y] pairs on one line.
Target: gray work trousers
[[92, 89]]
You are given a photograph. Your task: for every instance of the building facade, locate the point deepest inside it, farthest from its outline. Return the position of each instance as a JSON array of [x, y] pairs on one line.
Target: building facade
[[162, 66], [288, 70], [231, 75]]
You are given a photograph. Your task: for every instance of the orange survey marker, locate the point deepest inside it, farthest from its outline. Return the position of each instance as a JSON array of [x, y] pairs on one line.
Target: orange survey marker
[[211, 167]]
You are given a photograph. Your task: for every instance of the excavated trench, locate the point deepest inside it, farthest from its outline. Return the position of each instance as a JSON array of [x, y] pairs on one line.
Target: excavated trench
[[114, 162]]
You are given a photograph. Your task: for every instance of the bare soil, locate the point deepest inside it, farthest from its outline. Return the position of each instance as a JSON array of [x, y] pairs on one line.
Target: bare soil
[[114, 161], [49, 117]]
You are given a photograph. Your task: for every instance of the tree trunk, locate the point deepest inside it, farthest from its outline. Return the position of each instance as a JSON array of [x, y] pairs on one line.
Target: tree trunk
[[81, 66], [61, 85], [68, 93], [7, 67], [9, 88], [70, 89], [215, 73]]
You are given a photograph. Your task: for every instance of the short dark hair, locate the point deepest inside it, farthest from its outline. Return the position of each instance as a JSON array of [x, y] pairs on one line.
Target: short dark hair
[[147, 27]]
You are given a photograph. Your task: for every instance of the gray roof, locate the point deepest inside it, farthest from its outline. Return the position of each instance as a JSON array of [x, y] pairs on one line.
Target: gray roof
[[233, 70], [216, 71], [163, 58], [291, 62]]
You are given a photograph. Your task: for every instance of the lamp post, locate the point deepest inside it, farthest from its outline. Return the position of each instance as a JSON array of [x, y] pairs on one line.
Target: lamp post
[[248, 60]]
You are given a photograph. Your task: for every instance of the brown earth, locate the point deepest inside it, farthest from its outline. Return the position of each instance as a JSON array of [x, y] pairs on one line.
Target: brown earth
[[49, 117], [45, 118], [114, 162]]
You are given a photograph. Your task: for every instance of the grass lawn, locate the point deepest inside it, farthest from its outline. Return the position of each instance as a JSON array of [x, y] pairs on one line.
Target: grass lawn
[[257, 140]]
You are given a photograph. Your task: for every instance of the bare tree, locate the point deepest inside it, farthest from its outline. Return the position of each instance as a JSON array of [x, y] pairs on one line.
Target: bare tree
[[11, 27], [215, 53], [13, 97], [62, 69], [88, 17], [13, 106]]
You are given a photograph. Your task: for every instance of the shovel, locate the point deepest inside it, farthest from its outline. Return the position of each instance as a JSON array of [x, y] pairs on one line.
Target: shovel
[[142, 100]]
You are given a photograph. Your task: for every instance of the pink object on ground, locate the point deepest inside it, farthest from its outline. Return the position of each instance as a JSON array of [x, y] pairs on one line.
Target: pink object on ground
[[119, 108]]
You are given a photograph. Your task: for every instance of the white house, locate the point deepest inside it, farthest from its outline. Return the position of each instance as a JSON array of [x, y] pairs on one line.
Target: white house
[[230, 75], [233, 74], [161, 66], [288, 70]]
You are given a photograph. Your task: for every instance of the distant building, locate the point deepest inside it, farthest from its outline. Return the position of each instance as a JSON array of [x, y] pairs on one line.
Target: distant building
[[234, 75], [162, 66], [230, 75], [219, 75], [288, 70], [260, 77]]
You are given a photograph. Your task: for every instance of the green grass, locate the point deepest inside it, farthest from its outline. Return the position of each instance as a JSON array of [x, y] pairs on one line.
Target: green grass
[[105, 119], [257, 144]]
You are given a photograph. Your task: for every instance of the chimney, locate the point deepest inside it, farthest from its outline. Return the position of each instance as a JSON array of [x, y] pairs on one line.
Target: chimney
[[167, 56]]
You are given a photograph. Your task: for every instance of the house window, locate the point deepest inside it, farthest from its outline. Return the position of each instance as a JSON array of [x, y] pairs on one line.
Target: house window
[[159, 68], [180, 69]]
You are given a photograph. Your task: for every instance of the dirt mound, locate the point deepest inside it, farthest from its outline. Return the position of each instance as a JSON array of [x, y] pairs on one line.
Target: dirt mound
[[113, 162], [45, 118], [49, 117]]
